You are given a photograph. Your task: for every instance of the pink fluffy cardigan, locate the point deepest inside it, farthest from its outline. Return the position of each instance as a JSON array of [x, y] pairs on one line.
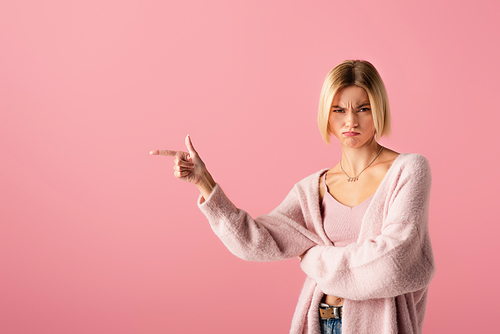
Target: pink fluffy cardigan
[[383, 277]]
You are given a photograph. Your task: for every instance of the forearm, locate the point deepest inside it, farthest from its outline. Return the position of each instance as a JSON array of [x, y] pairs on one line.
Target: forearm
[[277, 236], [379, 268]]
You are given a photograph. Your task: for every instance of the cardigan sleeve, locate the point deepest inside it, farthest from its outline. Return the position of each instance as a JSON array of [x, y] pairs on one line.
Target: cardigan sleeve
[[279, 235], [397, 261]]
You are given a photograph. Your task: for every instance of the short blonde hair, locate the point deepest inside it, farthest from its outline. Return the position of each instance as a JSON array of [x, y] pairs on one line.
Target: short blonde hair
[[355, 73]]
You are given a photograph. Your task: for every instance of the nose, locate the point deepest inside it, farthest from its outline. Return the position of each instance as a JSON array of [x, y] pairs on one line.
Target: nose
[[351, 119]]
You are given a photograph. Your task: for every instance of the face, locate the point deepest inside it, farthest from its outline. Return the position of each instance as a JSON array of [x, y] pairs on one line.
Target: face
[[351, 119]]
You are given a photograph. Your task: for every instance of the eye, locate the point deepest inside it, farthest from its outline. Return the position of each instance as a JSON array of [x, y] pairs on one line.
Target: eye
[[364, 109], [337, 110]]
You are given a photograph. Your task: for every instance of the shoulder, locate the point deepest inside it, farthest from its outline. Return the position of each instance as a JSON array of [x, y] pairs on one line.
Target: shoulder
[[409, 166], [413, 158], [412, 162], [310, 181], [304, 196], [307, 189]]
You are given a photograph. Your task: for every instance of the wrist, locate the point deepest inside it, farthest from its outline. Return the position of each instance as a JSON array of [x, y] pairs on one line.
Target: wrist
[[206, 184]]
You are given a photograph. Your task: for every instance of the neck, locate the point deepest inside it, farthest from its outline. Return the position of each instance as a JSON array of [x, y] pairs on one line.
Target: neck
[[354, 160]]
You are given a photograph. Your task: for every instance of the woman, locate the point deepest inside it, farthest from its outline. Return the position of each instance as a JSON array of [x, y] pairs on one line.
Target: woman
[[360, 228]]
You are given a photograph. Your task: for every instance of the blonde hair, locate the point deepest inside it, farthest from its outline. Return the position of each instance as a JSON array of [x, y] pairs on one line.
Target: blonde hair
[[355, 73]]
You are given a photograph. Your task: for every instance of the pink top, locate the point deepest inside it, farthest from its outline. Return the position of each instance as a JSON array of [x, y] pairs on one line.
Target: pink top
[[341, 222]]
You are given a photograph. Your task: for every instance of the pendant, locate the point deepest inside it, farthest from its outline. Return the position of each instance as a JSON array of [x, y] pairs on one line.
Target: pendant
[[352, 179]]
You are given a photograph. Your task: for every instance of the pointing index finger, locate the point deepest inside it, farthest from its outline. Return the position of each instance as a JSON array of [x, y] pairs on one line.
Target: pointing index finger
[[164, 152]]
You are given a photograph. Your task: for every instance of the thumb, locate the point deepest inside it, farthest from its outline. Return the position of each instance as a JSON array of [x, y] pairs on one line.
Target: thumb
[[190, 146]]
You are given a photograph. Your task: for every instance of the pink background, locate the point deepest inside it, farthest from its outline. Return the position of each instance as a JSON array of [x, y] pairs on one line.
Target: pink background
[[97, 236]]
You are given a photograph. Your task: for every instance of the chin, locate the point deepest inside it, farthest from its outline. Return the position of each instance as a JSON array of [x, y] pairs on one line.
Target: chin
[[351, 142]]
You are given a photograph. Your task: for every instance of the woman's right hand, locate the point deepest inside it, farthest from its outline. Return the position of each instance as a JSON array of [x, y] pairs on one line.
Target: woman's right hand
[[189, 167]]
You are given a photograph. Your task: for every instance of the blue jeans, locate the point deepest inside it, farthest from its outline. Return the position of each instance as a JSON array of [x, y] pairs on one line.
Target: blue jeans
[[331, 326]]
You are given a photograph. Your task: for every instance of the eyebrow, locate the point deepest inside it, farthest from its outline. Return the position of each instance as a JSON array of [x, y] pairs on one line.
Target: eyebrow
[[361, 105]]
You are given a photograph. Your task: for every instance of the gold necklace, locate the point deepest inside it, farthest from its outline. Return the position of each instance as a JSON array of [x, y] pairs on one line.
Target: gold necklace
[[355, 178]]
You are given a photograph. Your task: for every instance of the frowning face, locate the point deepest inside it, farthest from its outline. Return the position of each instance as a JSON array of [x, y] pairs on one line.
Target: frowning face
[[351, 119]]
